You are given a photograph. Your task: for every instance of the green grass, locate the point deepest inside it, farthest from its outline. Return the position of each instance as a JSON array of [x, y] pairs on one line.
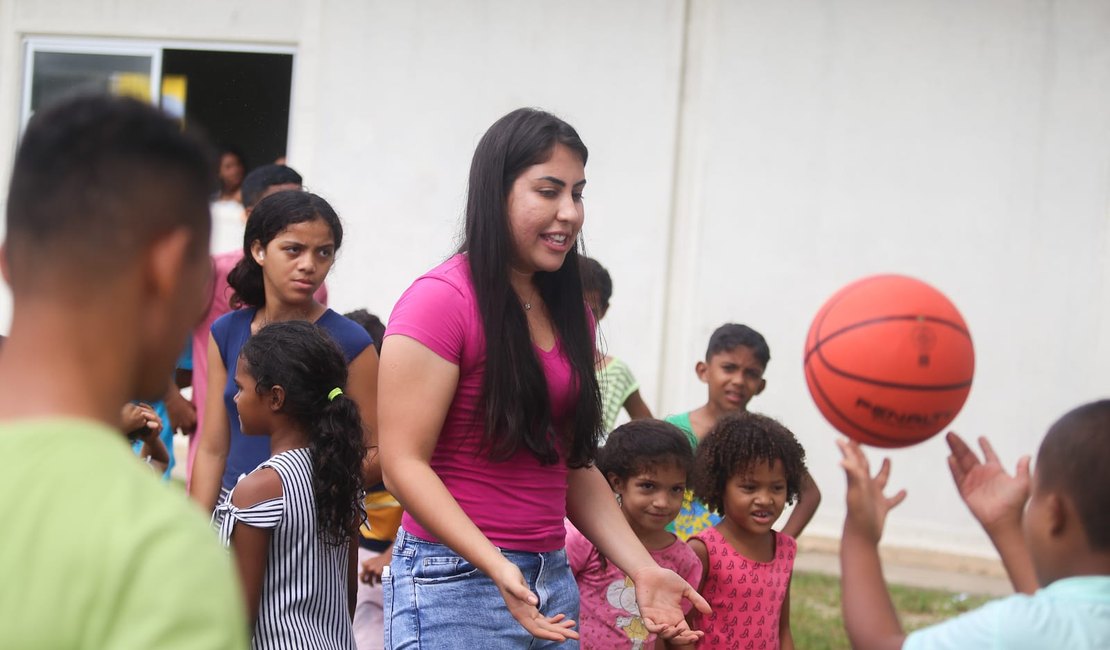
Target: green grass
[[815, 620]]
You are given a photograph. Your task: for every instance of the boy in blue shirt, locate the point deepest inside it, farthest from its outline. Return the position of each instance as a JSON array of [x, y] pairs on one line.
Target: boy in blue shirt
[[1061, 542]]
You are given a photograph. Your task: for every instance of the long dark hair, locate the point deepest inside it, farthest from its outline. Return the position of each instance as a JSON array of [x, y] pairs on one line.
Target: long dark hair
[[269, 218], [514, 390], [302, 359]]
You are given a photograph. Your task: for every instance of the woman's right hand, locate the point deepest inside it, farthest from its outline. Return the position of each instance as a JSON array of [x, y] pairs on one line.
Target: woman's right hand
[[522, 604]]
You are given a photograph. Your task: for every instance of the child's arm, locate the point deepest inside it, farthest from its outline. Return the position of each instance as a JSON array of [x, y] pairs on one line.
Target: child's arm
[[637, 409], [786, 640], [142, 423], [251, 545], [373, 567], [211, 458], [699, 548], [659, 592], [182, 412], [809, 497], [362, 386], [997, 500], [869, 616]]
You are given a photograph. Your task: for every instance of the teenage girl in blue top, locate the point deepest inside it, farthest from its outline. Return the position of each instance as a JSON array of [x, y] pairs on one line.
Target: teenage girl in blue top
[[289, 247]]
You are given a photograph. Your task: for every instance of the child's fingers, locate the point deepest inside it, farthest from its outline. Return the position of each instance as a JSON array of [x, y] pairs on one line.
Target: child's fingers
[[958, 473], [1022, 470], [964, 457], [884, 473], [988, 451], [893, 501]]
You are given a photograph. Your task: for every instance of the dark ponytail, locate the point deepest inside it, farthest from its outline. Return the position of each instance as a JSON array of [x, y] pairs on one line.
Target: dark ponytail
[[302, 359], [268, 219]]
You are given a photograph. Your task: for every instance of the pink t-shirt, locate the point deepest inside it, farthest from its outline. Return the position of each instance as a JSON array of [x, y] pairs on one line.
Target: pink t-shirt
[[746, 596], [609, 617], [219, 298], [518, 504]]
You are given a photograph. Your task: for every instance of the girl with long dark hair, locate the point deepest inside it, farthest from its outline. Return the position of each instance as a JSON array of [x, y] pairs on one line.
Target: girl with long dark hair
[[289, 247], [490, 417], [292, 522]]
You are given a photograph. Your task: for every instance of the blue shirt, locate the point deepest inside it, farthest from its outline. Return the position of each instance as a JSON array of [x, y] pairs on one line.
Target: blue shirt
[[230, 332], [1072, 613]]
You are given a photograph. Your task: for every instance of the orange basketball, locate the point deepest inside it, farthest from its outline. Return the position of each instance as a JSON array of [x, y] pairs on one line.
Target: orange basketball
[[889, 361]]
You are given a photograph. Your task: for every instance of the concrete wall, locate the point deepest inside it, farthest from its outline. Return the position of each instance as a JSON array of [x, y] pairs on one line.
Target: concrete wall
[[747, 159]]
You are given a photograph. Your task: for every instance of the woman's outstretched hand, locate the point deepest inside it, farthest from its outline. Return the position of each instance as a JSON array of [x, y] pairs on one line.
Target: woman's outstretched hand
[[659, 595], [523, 604]]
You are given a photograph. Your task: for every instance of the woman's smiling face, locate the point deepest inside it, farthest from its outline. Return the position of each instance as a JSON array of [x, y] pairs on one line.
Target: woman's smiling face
[[545, 211]]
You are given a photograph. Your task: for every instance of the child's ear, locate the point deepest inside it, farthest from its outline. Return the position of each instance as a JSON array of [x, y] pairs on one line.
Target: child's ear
[[616, 483], [762, 385], [1062, 515], [277, 398], [701, 369]]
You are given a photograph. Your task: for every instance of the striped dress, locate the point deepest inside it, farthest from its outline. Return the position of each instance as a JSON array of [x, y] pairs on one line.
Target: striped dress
[[304, 594]]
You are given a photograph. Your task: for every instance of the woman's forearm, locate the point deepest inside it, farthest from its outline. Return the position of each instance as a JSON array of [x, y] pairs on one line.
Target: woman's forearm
[[593, 509]]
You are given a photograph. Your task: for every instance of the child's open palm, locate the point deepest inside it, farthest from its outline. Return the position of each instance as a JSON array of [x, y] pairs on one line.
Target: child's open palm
[[867, 505], [992, 495]]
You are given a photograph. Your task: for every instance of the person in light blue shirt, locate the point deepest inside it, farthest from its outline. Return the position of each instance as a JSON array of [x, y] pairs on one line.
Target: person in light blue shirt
[[1051, 530]]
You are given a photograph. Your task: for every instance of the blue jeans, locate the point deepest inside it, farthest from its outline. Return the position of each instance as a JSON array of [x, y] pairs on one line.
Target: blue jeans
[[435, 599]]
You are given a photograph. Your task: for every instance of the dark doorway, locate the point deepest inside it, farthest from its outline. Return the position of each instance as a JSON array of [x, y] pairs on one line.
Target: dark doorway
[[241, 99]]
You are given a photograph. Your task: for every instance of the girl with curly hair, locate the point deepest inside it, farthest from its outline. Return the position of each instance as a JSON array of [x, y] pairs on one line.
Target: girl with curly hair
[[292, 522], [747, 469]]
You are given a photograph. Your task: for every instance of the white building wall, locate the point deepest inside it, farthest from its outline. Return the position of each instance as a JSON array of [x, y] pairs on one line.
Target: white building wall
[[967, 144], [747, 159]]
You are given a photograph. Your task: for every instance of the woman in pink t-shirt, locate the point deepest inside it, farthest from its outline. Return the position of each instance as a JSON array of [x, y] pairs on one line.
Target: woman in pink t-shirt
[[490, 416]]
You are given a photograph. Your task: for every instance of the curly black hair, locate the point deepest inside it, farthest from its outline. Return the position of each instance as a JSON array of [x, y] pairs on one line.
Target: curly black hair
[[735, 445], [640, 445], [301, 358]]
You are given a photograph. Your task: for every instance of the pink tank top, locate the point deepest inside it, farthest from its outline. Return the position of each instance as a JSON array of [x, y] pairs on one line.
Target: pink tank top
[[746, 596]]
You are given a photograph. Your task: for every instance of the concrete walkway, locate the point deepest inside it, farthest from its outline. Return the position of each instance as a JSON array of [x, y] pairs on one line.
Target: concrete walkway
[[913, 568]]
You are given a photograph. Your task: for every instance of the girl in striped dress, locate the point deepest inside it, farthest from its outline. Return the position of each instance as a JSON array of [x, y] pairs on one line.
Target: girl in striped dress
[[292, 522]]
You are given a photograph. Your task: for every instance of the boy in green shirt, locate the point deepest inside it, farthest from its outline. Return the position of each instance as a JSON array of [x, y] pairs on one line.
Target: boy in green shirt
[[733, 369], [107, 257]]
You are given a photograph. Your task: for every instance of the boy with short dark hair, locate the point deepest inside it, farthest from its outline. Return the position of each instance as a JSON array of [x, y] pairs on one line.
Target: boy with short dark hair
[[1061, 543], [735, 360], [106, 257]]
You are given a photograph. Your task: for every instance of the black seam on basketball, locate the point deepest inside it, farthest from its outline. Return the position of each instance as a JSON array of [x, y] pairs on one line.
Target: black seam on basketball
[[892, 384], [881, 383], [897, 442], [883, 319]]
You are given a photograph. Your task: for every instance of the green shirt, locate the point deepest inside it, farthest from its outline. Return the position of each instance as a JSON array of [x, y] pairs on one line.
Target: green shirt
[[97, 553], [694, 517], [682, 421], [617, 384]]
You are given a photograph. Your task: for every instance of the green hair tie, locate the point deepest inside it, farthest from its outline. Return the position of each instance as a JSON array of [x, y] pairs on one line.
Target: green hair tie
[[335, 392]]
